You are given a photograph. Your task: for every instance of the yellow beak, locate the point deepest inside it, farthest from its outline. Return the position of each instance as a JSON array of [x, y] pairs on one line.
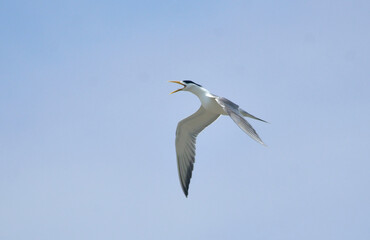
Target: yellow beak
[[177, 83]]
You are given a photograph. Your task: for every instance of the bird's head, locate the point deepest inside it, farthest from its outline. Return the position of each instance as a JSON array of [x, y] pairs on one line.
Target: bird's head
[[188, 85]]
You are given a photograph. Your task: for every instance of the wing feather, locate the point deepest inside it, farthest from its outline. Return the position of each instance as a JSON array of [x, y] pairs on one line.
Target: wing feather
[[186, 134], [236, 115]]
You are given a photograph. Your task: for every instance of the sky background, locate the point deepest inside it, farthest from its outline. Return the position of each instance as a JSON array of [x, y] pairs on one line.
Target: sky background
[[87, 125]]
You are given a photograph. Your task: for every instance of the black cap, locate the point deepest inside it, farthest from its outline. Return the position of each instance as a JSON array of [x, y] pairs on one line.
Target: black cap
[[188, 81]]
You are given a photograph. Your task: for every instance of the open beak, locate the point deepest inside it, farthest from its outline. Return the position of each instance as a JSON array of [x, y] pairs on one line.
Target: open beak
[[178, 83]]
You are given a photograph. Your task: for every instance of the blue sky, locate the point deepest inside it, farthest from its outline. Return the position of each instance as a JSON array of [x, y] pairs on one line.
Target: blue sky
[[87, 125]]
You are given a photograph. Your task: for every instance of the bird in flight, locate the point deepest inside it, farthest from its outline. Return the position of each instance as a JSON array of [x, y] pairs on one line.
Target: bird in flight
[[211, 108]]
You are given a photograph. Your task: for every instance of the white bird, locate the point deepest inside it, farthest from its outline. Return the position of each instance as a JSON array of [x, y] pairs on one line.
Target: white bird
[[188, 129]]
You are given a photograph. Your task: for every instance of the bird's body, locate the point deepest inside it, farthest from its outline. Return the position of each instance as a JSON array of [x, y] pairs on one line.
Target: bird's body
[[211, 108], [208, 101]]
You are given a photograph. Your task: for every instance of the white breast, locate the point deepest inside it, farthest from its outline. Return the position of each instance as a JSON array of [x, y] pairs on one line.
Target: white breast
[[210, 104], [207, 99]]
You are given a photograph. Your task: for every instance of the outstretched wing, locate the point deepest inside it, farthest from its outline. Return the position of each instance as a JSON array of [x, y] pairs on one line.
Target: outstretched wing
[[186, 134], [232, 110]]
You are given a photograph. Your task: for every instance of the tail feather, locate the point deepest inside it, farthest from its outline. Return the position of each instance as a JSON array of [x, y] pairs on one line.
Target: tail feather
[[246, 114]]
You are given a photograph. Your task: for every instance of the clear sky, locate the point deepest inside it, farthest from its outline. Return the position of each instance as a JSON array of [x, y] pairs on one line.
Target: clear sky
[[87, 125]]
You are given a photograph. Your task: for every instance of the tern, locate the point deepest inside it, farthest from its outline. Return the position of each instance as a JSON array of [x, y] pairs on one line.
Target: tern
[[211, 108]]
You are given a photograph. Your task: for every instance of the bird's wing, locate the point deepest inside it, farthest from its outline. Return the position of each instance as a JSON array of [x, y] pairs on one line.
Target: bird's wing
[[232, 110], [186, 133]]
